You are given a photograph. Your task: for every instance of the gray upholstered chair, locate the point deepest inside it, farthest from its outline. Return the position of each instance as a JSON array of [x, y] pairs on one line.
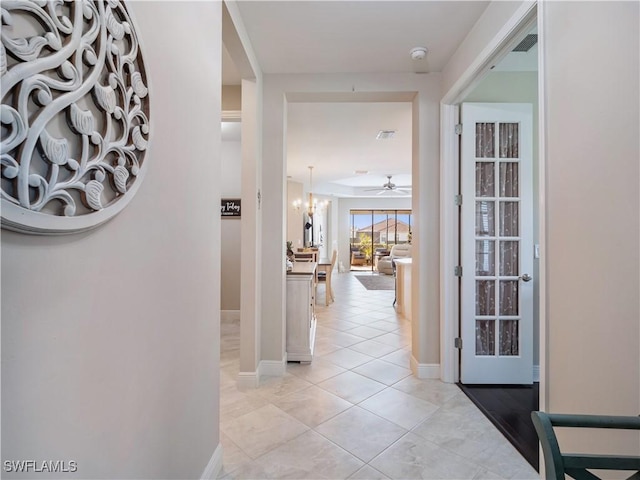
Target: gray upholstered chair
[[401, 250]]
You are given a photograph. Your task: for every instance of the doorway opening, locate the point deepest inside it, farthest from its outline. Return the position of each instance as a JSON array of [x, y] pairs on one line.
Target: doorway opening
[[336, 136], [497, 256], [507, 406]]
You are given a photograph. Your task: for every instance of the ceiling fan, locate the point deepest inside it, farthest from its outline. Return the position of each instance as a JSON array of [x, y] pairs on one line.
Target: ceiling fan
[[389, 186]]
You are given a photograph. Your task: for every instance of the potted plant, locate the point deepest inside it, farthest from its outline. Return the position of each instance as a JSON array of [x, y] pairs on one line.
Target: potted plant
[[290, 250]]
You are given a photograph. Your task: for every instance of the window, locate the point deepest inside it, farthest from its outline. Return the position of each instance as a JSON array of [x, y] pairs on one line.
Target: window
[[374, 232]]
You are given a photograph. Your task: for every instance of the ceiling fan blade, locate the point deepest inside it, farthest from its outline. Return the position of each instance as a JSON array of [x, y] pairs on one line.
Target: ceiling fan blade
[[389, 187]]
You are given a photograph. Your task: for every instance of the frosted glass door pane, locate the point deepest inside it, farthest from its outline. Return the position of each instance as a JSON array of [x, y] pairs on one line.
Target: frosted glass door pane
[[509, 337], [485, 297], [485, 258], [508, 297], [485, 219], [485, 179], [485, 337], [508, 140], [508, 179], [509, 258], [509, 219], [485, 140]]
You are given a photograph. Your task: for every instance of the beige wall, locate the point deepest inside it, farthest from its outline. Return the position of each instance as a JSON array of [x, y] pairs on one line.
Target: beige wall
[[295, 232], [230, 185], [592, 225], [231, 98], [236, 42], [110, 339]]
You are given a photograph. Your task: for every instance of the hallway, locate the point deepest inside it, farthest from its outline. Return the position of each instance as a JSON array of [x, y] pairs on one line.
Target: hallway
[[356, 411]]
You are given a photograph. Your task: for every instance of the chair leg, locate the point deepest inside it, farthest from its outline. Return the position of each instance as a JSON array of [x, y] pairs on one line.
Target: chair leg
[[330, 289]]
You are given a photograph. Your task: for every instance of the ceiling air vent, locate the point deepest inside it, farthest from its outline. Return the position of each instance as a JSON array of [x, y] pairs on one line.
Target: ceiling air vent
[[526, 44], [385, 134]]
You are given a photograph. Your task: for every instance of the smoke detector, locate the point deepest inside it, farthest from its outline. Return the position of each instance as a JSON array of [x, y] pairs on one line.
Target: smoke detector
[[418, 53]]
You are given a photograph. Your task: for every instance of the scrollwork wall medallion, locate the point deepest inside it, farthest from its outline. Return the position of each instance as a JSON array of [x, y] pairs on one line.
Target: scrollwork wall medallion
[[74, 114]]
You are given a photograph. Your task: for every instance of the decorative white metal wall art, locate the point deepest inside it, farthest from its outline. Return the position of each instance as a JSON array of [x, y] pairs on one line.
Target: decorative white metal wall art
[[74, 114]]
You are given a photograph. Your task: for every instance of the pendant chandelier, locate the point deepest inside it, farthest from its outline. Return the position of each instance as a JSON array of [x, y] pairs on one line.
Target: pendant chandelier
[[311, 205]]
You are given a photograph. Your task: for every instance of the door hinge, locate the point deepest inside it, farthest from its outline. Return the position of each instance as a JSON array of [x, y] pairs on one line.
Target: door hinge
[[457, 271], [457, 342], [458, 129], [458, 200]]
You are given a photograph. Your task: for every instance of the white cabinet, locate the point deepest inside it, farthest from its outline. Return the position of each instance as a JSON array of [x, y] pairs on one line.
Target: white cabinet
[[403, 287], [301, 318]]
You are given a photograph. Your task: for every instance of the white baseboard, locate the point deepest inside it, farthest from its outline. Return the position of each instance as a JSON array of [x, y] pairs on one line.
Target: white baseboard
[[273, 368], [229, 315], [425, 370], [248, 380], [270, 368], [536, 373], [214, 467]]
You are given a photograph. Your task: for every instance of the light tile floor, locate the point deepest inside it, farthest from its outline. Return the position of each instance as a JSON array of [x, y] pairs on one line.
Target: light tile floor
[[356, 411]]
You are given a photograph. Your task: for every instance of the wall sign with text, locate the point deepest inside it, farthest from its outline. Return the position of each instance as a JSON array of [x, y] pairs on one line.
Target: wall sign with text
[[230, 208]]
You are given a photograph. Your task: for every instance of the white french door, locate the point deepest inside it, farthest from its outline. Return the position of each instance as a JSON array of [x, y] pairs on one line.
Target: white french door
[[496, 244]]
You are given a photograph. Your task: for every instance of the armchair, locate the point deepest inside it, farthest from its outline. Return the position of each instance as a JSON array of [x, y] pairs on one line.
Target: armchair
[[401, 250], [558, 464], [357, 257]]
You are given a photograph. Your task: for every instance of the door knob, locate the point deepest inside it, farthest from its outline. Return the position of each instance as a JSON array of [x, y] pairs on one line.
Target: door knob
[[525, 277]]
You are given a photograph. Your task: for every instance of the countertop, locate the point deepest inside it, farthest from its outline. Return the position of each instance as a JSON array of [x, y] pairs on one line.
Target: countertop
[[302, 268]]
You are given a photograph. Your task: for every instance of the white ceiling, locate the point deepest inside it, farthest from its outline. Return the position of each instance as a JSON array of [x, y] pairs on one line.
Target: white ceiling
[[339, 138], [355, 36], [351, 37]]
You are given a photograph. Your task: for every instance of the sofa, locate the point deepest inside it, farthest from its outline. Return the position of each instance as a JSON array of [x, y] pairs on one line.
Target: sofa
[[401, 250]]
